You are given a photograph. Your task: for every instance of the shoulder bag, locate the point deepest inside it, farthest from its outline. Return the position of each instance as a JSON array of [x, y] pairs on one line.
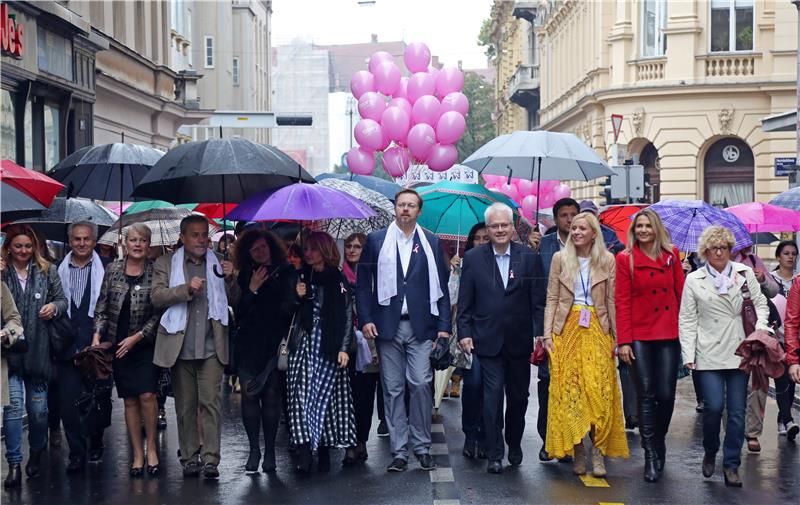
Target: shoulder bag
[[283, 347], [749, 316]]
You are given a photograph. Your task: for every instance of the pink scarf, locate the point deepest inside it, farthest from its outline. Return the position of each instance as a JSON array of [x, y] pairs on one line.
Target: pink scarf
[[348, 273]]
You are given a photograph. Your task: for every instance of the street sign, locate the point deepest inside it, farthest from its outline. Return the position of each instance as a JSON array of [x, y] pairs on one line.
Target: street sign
[[627, 181], [784, 166], [616, 124]]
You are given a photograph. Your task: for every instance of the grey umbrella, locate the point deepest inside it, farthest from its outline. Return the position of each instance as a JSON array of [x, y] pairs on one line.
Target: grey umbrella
[[539, 155], [164, 224], [53, 222], [343, 228]]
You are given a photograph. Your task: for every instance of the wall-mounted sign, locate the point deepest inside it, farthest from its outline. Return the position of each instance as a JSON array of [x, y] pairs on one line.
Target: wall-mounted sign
[[11, 34], [784, 166]]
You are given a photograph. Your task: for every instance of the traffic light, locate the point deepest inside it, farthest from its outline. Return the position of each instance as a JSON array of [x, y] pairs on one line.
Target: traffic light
[[606, 191]]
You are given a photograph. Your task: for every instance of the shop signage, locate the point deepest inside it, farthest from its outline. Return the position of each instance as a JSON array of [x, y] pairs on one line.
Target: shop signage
[[784, 166], [11, 33]]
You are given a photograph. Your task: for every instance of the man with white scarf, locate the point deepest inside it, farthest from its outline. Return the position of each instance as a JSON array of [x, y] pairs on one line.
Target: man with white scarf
[[403, 303], [192, 340], [81, 274]]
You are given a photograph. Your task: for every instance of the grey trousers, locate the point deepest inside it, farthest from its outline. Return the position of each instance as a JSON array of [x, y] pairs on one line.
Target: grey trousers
[[754, 418], [196, 385], [404, 359]]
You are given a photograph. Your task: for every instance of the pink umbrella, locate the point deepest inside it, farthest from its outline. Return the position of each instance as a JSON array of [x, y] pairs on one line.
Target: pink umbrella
[[763, 217]]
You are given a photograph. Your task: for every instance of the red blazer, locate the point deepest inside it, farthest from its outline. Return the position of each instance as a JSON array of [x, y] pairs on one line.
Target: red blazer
[[648, 302], [791, 324]]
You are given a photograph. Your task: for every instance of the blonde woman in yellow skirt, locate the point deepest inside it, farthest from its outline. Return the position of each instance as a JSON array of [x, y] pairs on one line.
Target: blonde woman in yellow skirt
[[578, 335]]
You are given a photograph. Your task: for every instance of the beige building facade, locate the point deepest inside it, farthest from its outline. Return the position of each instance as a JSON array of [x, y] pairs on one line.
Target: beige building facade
[[692, 79]]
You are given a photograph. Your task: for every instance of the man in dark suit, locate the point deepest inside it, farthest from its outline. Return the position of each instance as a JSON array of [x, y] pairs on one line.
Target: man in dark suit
[[403, 302], [500, 299]]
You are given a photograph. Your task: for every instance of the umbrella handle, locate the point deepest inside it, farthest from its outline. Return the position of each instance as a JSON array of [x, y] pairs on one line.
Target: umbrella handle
[[218, 272]]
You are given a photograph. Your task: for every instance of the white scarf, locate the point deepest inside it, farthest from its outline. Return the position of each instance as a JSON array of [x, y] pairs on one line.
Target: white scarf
[[175, 317], [387, 268], [723, 281], [97, 281]]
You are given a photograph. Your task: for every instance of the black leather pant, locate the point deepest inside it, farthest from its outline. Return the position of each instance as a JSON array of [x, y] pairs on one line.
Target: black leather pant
[[655, 373]]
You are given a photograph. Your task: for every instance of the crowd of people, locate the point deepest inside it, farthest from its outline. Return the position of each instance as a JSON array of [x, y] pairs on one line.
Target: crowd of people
[[315, 337]]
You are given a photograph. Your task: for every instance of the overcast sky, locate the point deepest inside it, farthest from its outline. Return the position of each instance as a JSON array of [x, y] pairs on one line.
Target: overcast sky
[[449, 27]]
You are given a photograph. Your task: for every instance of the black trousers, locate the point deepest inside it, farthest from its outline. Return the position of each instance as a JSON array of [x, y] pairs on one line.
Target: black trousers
[[511, 374], [543, 392], [784, 396], [364, 386], [655, 374]]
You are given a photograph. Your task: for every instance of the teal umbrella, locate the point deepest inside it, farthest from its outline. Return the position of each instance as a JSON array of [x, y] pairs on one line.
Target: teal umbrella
[[451, 209], [155, 204]]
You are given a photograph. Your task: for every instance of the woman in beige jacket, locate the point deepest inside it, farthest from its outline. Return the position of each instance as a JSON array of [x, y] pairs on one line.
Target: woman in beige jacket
[[579, 328], [710, 327], [10, 332]]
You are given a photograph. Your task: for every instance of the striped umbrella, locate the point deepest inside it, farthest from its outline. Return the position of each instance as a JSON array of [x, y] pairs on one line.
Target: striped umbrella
[[687, 219]]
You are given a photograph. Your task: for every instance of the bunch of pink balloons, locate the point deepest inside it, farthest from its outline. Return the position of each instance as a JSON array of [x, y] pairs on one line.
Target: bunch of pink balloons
[[527, 193], [419, 118]]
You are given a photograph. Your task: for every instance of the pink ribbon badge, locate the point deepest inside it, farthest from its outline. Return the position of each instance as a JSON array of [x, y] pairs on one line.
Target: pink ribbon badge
[[510, 274], [341, 286], [416, 248]]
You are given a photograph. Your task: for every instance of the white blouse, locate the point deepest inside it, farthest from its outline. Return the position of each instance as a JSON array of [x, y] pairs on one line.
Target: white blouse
[[583, 284]]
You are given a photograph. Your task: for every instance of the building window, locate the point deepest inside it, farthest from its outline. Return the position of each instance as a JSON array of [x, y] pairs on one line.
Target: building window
[[729, 173], [235, 70], [654, 22], [8, 131], [731, 25], [52, 137], [208, 46]]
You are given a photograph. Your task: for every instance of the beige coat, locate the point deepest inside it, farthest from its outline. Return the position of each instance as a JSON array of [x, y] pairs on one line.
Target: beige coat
[[710, 324], [561, 296], [168, 345], [12, 327]]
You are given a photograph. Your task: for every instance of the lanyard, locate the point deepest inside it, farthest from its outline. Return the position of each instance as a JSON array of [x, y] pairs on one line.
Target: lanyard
[[584, 285]]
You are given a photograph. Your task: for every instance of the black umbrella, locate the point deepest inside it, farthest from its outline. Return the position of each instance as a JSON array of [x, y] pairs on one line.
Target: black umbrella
[[105, 172], [16, 204], [764, 237], [53, 222], [219, 171]]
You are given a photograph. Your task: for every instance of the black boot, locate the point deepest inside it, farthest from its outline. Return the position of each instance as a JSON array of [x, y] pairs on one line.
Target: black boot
[[252, 460], [268, 466], [14, 477], [304, 460], [34, 462], [324, 459], [650, 466], [661, 455]]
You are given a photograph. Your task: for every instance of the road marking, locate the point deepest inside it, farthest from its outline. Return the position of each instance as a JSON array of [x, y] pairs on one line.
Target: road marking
[[442, 474], [590, 481], [439, 449]]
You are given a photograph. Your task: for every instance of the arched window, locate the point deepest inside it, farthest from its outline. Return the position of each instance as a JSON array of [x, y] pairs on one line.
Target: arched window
[[729, 173]]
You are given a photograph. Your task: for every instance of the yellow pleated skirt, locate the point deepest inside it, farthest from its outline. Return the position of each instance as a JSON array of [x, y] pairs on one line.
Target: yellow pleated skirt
[[584, 390]]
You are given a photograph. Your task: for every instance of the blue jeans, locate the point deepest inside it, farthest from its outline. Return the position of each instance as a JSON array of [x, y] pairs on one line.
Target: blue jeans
[[31, 395], [472, 402], [724, 389]]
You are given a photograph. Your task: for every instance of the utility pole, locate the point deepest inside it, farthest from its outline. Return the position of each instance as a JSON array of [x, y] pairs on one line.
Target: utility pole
[[351, 105], [797, 89]]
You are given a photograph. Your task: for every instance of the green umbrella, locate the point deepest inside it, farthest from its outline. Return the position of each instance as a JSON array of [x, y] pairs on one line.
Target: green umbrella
[[451, 209], [155, 204]]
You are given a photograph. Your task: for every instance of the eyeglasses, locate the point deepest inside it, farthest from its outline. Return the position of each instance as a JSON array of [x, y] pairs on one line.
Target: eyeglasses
[[499, 226], [405, 205], [719, 249]]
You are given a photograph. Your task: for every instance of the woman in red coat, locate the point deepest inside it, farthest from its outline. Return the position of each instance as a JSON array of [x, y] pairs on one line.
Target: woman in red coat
[[648, 297]]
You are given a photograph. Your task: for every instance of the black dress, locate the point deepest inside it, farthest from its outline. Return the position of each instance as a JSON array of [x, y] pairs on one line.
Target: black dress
[[135, 373]]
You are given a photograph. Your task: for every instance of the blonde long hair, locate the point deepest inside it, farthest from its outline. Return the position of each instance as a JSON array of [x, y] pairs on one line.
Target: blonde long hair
[[662, 241], [597, 253]]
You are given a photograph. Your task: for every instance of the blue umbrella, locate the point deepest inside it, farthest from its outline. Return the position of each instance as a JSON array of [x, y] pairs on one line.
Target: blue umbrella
[[789, 199], [382, 186], [686, 220]]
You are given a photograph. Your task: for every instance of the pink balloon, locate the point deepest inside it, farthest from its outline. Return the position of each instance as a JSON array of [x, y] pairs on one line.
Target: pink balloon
[[402, 89], [396, 161], [448, 80], [529, 203], [401, 103], [387, 77], [546, 200], [421, 138], [456, 101], [395, 123], [369, 135], [441, 157], [492, 180], [526, 187], [362, 82], [562, 191], [510, 190], [377, 58], [433, 71], [371, 105], [360, 162], [547, 187], [417, 57], [420, 84], [450, 127], [426, 110]]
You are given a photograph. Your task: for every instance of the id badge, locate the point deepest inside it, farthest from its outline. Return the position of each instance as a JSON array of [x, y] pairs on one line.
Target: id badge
[[585, 318]]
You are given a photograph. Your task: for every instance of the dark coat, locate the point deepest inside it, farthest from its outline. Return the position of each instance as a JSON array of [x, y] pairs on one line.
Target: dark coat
[[144, 317], [497, 318], [414, 286]]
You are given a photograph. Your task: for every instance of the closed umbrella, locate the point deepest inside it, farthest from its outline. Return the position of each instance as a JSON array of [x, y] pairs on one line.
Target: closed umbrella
[[164, 224], [538, 155], [16, 204], [53, 222], [687, 219], [34, 184], [388, 189], [341, 228]]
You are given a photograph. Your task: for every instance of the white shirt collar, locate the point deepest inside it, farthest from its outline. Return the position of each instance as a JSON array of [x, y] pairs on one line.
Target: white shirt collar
[[507, 253]]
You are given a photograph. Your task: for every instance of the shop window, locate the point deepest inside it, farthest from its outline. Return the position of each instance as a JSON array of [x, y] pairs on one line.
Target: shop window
[[8, 131], [731, 25], [52, 137], [654, 22], [729, 173]]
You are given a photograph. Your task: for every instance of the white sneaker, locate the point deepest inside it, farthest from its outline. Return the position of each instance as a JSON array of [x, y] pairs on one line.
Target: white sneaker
[[781, 428], [792, 430]]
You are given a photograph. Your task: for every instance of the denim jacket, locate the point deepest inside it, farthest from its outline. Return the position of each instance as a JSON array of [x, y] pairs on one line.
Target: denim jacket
[[144, 317]]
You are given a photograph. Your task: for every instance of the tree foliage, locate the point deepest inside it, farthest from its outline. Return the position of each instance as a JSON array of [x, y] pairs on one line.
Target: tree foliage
[[485, 40]]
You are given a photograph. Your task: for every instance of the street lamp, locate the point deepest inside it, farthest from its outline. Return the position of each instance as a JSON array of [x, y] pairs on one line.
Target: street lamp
[[797, 90], [351, 106]]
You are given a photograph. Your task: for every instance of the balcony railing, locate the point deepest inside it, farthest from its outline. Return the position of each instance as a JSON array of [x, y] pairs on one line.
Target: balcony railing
[[650, 70], [523, 83], [730, 65]]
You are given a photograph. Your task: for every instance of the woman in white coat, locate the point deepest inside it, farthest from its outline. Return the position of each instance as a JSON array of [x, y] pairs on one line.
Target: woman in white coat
[[710, 326]]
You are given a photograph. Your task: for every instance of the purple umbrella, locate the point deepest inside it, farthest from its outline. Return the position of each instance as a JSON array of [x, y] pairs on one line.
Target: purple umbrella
[[687, 219], [301, 202]]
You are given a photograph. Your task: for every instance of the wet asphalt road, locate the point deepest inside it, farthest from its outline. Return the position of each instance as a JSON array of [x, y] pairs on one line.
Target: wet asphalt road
[[772, 477]]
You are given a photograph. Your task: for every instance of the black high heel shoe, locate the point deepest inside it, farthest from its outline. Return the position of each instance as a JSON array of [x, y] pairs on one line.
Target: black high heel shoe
[[252, 461], [304, 460], [153, 470], [136, 471]]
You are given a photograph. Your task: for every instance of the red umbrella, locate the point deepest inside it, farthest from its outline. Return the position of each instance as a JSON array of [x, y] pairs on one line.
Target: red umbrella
[[215, 210], [618, 217], [34, 184]]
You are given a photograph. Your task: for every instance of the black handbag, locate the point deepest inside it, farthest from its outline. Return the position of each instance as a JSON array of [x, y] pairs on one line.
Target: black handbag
[[441, 357], [62, 334]]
